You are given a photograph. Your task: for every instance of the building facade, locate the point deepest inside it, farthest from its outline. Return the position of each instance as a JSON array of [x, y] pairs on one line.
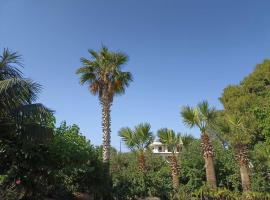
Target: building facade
[[162, 150]]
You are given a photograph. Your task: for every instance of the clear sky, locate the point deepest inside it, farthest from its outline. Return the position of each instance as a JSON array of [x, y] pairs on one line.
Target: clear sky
[[181, 52]]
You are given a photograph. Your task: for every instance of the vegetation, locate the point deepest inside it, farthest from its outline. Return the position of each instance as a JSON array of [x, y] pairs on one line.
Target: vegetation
[[41, 160]]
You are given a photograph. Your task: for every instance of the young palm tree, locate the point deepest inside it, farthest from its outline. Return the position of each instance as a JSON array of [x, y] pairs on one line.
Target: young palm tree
[[202, 116], [173, 142], [18, 114], [138, 140], [232, 128], [105, 78]]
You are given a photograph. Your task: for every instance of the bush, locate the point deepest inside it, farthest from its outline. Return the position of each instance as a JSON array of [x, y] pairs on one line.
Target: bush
[[205, 193], [130, 183]]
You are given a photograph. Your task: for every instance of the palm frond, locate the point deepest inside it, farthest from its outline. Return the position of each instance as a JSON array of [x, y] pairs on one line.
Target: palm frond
[[121, 81], [207, 113], [139, 138], [187, 139], [94, 54], [9, 65], [35, 132], [32, 112], [84, 69], [188, 115], [127, 136], [164, 136], [17, 91], [87, 78], [169, 138], [143, 135], [119, 58]]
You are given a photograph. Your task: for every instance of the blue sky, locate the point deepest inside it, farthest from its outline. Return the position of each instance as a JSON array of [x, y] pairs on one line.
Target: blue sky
[[181, 52]]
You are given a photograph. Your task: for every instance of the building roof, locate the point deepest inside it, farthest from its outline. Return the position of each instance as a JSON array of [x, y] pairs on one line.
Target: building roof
[[156, 143]]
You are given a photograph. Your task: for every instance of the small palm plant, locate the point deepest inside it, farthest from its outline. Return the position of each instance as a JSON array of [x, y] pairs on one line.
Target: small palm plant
[[105, 78], [202, 116], [138, 140], [232, 128], [173, 142]]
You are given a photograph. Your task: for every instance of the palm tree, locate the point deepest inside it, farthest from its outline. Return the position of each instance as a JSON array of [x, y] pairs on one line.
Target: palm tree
[[202, 116], [232, 128], [105, 78], [187, 139], [173, 142], [138, 140], [18, 114]]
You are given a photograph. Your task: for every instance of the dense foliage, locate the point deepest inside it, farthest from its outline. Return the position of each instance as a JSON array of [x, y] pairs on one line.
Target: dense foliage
[[39, 159]]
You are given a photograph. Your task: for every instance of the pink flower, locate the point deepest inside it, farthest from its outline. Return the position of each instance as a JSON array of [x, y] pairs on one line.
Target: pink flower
[[18, 181]]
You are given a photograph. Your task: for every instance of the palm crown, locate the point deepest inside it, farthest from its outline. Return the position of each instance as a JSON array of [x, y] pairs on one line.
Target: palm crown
[[232, 128], [169, 138], [201, 116], [139, 138], [103, 72]]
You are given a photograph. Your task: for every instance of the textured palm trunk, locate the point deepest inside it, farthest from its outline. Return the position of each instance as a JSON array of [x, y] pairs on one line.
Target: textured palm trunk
[[174, 171], [242, 158], [208, 155], [106, 128], [142, 166]]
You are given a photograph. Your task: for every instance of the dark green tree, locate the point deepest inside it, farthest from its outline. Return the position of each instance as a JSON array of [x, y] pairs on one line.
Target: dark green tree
[[18, 114]]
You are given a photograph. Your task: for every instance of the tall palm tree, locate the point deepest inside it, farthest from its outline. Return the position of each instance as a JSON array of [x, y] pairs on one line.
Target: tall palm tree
[[232, 128], [18, 114], [202, 116], [138, 140], [105, 78], [173, 142]]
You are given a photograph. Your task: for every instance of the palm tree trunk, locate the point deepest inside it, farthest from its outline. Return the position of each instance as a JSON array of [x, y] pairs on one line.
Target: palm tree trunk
[[208, 155], [142, 166], [174, 171], [245, 177], [106, 128], [242, 158]]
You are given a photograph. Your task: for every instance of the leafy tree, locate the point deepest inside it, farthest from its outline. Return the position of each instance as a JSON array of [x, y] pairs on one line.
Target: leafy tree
[[22, 123], [103, 72], [249, 100], [78, 168], [202, 116], [138, 140], [251, 97], [129, 183], [173, 141], [260, 170]]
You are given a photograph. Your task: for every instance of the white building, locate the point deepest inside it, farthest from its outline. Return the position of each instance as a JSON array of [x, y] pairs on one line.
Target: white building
[[160, 149]]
